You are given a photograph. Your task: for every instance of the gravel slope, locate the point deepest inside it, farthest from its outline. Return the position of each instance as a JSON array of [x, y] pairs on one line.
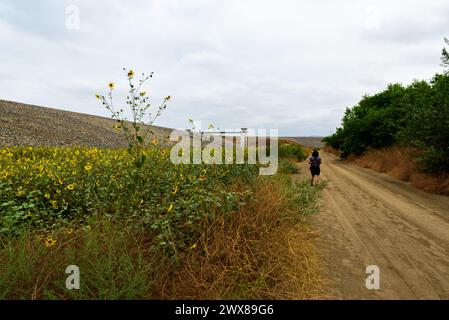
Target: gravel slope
[[23, 124]]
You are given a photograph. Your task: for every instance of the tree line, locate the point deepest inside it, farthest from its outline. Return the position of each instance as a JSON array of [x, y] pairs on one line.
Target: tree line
[[416, 115]]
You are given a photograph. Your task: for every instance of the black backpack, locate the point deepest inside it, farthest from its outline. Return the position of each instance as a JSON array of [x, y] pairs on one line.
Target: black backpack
[[315, 162]]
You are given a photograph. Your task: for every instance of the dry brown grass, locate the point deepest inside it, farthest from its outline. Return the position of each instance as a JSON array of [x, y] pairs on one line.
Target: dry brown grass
[[399, 163], [262, 252], [329, 149]]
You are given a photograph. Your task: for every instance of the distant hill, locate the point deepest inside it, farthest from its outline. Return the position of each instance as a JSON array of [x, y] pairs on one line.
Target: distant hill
[[313, 142], [23, 124]]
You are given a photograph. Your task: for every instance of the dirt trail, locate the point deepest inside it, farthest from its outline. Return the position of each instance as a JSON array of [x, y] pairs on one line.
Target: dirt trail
[[368, 218]]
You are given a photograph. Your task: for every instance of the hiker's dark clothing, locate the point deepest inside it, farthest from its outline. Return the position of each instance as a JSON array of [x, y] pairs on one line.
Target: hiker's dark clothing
[[315, 165]]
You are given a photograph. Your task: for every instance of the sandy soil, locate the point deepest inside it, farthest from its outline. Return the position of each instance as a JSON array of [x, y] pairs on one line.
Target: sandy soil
[[368, 218]]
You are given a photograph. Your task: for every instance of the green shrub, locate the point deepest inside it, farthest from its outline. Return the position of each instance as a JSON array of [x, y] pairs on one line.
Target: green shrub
[[292, 151], [287, 167]]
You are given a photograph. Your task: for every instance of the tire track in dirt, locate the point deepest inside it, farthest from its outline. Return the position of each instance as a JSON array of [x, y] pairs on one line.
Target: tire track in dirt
[[369, 218]]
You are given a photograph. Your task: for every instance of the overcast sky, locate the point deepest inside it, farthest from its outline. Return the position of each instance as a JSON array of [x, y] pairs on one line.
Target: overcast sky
[[291, 65]]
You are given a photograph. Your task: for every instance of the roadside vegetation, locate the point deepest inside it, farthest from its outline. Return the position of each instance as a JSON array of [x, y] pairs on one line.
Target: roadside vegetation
[[292, 150], [140, 227], [290, 153], [414, 118], [162, 231]]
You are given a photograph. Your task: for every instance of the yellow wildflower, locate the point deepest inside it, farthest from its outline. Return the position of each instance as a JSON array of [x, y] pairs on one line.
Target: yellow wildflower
[[130, 74], [20, 192], [111, 85], [88, 168], [50, 242], [170, 208]]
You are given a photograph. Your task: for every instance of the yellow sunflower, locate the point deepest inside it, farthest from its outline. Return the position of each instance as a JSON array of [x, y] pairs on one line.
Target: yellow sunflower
[[50, 242]]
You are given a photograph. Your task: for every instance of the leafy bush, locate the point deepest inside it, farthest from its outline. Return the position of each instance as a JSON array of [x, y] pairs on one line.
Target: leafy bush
[[292, 151], [427, 123], [287, 167]]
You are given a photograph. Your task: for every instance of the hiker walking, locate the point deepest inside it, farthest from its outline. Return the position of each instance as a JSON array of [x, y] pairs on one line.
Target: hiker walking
[[315, 162]]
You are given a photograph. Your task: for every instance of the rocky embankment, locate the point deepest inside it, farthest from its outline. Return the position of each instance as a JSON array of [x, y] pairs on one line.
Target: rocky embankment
[[23, 124]]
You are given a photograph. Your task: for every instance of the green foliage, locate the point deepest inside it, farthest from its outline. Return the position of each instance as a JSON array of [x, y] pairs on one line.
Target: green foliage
[[292, 151], [416, 115], [287, 167], [427, 124], [374, 122], [46, 188]]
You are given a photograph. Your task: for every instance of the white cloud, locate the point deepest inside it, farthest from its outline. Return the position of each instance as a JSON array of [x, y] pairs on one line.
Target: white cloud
[[292, 65]]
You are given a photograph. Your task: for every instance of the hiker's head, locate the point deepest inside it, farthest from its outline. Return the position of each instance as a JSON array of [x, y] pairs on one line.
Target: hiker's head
[[315, 154]]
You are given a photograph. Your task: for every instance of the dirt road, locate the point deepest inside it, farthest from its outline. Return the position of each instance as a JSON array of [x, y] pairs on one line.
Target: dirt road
[[368, 218]]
